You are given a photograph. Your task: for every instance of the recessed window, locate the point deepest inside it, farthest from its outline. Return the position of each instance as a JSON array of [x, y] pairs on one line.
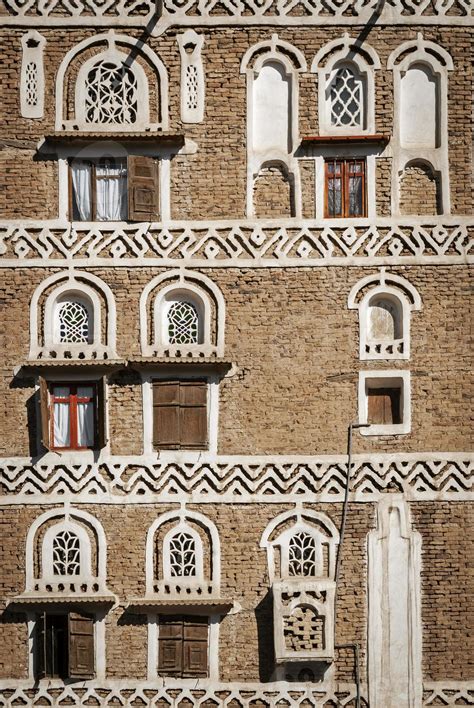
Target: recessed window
[[183, 647], [384, 402], [114, 189], [64, 646], [345, 188], [180, 414], [72, 415]]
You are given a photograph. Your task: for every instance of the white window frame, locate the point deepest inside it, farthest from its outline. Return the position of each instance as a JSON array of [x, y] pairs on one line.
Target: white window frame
[[385, 378], [183, 580]]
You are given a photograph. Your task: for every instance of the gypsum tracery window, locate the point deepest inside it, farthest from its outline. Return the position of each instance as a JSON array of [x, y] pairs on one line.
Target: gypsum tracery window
[[73, 321], [183, 323], [346, 90], [302, 555], [111, 94], [182, 550], [66, 554]]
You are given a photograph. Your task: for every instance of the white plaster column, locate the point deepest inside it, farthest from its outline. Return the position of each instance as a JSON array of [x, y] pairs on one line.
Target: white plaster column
[[394, 597]]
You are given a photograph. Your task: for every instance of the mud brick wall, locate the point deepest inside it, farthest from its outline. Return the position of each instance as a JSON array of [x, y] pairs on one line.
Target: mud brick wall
[[211, 183], [419, 191], [296, 350]]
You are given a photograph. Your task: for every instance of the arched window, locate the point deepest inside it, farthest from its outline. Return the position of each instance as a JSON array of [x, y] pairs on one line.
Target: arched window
[[347, 94], [302, 555], [182, 321], [182, 550], [74, 322], [385, 322], [111, 93], [66, 554]]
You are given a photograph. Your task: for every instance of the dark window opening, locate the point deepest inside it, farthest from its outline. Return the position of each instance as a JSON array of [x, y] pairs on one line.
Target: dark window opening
[[64, 646]]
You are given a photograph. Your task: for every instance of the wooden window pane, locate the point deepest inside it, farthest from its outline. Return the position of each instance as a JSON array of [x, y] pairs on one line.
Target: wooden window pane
[[345, 188], [180, 414], [165, 392], [81, 646], [195, 647], [384, 406], [101, 414], [40, 646], [194, 427], [193, 393], [143, 192], [44, 408]]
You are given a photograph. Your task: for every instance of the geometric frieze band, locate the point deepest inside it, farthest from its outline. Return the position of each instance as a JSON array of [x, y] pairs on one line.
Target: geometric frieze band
[[242, 12], [238, 479], [111, 694], [239, 243]]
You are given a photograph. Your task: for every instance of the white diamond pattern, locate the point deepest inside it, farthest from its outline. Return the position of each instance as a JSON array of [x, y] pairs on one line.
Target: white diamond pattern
[[66, 554], [183, 323], [302, 555], [73, 323], [182, 555], [191, 87], [111, 94], [31, 79], [346, 99]]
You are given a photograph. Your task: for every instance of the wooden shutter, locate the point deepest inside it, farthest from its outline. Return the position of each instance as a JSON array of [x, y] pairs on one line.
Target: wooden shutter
[[101, 413], [45, 412], [143, 191], [195, 640], [80, 646], [170, 654], [193, 422], [166, 405], [384, 406], [40, 646]]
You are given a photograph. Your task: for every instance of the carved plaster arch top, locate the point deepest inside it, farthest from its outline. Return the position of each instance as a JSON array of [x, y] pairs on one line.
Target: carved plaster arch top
[[274, 48]]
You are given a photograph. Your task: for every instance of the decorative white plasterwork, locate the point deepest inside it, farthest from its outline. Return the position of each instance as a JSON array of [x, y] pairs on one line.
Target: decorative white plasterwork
[[192, 77], [237, 479], [32, 75], [437, 62], [394, 598], [112, 40], [83, 286], [385, 378], [272, 69], [186, 285], [248, 12], [393, 288], [249, 243], [346, 53]]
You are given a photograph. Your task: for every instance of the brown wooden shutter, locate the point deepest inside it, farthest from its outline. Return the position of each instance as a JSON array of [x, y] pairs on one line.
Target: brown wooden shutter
[[143, 191], [383, 406], [81, 646], [40, 646], [193, 423], [166, 418], [101, 413], [45, 412], [195, 647], [170, 654]]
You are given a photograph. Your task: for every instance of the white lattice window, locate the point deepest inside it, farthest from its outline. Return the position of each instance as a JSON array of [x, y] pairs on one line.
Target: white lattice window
[[182, 552], [183, 323], [192, 77], [346, 95], [302, 555], [111, 94], [66, 554], [73, 321], [32, 75]]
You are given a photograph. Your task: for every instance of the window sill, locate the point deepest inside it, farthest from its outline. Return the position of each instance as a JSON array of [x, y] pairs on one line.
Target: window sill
[[376, 138], [396, 429]]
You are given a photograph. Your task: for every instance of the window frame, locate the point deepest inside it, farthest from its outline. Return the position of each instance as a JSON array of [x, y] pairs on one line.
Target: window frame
[[183, 671], [180, 405], [73, 400], [93, 163], [385, 379], [69, 651], [345, 175]]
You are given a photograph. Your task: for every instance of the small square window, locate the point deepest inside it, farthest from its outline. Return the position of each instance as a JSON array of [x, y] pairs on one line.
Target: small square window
[[72, 415], [180, 414], [384, 402], [345, 192]]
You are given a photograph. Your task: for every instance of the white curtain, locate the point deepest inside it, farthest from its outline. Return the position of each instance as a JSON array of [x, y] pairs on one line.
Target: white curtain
[[111, 192], [62, 431], [81, 181], [85, 417]]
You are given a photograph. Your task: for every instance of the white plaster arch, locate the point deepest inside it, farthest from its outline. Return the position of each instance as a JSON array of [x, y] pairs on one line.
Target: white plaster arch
[[118, 58], [424, 139], [74, 517], [275, 48], [198, 576], [172, 293], [47, 562], [198, 286], [111, 38], [75, 282], [393, 288], [362, 61], [181, 516], [301, 518], [86, 296]]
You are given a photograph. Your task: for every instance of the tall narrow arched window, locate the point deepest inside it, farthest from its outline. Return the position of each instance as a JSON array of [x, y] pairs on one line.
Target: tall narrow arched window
[[74, 321], [182, 322], [66, 553], [302, 555], [272, 115], [182, 550], [385, 319], [346, 91]]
